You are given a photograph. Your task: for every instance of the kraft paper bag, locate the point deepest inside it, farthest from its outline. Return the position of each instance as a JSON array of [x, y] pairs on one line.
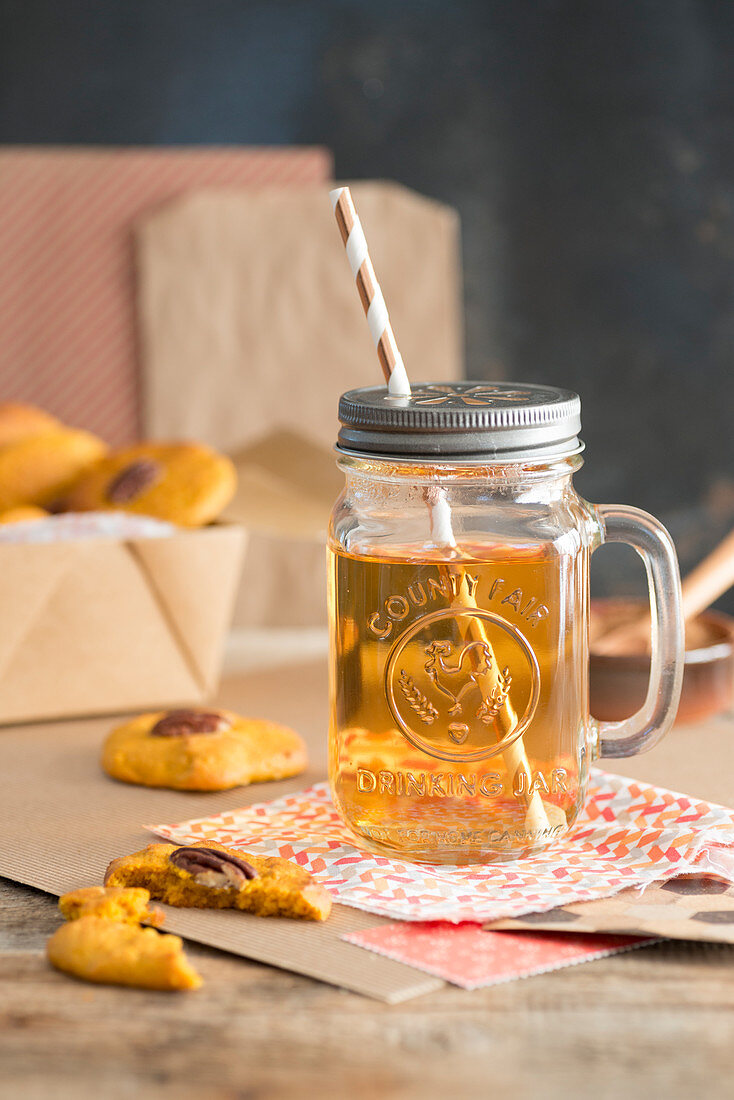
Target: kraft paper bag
[[250, 320], [251, 328], [102, 626]]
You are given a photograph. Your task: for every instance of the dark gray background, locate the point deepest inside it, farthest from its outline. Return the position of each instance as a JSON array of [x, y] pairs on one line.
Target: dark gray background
[[588, 146]]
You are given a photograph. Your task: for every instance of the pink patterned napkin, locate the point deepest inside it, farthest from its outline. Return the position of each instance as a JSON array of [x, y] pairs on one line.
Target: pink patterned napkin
[[465, 955], [629, 833]]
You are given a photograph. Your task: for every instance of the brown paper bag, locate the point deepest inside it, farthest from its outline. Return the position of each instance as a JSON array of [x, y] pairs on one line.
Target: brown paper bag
[[251, 328], [249, 318]]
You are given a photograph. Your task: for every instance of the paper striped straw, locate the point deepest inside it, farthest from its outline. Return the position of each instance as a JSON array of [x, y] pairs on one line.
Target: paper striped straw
[[370, 293]]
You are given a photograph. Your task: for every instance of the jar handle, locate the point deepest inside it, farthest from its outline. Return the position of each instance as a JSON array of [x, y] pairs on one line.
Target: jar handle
[[650, 539]]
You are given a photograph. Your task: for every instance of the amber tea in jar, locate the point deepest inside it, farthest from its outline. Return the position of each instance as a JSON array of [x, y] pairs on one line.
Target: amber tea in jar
[[459, 608]]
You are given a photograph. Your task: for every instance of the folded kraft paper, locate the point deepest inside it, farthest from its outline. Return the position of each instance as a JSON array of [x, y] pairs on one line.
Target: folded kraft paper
[[102, 625]]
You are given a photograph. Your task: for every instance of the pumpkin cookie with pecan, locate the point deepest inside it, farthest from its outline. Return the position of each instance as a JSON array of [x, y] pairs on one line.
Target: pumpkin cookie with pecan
[[20, 421], [202, 750], [115, 953], [209, 876], [23, 513], [128, 904], [184, 483], [39, 469]]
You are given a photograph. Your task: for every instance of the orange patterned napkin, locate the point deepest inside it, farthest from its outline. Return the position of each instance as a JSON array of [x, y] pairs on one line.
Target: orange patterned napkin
[[629, 833]]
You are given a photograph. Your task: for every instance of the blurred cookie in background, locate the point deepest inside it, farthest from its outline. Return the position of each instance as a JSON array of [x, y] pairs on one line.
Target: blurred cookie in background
[[23, 513], [202, 750], [40, 468], [185, 483], [21, 421]]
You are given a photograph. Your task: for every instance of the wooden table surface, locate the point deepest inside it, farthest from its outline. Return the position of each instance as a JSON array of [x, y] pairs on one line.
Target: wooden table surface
[[658, 1020]]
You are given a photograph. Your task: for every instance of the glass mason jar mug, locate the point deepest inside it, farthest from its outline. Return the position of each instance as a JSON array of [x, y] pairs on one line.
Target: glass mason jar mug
[[459, 611]]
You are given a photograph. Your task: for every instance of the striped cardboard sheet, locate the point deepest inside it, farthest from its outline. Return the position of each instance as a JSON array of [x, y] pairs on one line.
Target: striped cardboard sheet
[[67, 320], [62, 820]]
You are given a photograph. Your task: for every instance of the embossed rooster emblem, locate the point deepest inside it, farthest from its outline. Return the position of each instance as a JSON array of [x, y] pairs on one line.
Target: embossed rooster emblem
[[465, 671], [474, 660]]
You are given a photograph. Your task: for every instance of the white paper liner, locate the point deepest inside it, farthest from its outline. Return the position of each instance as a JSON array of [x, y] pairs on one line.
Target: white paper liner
[[86, 526]]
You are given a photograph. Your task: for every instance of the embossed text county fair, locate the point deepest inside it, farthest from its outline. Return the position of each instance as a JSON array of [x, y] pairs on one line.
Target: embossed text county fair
[[398, 606]]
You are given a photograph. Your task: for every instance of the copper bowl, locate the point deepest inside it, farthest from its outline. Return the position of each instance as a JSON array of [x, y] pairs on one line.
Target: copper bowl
[[618, 684]]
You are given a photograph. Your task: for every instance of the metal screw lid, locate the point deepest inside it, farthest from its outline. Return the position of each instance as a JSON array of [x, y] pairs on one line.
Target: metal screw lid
[[479, 421]]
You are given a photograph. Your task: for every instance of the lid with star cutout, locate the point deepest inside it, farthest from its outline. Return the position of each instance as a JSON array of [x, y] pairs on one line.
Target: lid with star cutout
[[465, 421]]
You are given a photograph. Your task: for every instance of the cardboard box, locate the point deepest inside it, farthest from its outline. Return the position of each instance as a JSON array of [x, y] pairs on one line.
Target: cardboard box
[[104, 626]]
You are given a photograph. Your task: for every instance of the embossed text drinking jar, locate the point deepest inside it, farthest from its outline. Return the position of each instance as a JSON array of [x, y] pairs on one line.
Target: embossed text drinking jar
[[459, 609]]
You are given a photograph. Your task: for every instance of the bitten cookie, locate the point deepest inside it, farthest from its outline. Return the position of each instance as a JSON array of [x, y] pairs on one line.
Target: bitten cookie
[[40, 468], [184, 483], [20, 421], [101, 950], [210, 876], [202, 750], [127, 904]]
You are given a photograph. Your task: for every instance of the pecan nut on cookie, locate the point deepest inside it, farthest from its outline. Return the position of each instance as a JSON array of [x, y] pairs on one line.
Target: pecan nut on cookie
[[184, 483], [97, 949], [119, 903], [209, 876], [202, 750]]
